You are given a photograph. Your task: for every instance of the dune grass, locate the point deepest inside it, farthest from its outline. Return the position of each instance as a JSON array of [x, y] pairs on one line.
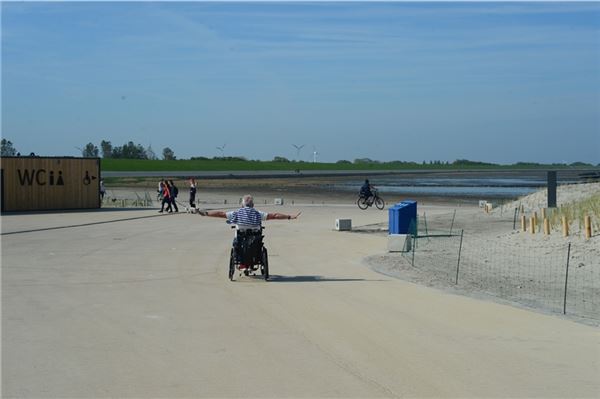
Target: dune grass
[[575, 213]]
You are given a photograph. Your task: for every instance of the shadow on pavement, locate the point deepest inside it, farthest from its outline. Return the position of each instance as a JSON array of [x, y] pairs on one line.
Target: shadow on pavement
[[89, 210], [310, 279], [89, 224]]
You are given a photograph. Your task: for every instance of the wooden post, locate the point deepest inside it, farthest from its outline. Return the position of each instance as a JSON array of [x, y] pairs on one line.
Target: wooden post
[[543, 213], [588, 227], [565, 227], [523, 223], [546, 226], [532, 223], [535, 219], [522, 209]]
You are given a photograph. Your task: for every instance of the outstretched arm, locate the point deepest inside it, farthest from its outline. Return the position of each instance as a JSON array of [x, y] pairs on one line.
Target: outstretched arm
[[215, 214], [280, 216]]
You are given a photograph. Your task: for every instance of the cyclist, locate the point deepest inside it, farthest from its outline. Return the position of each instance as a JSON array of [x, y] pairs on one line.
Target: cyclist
[[365, 190]]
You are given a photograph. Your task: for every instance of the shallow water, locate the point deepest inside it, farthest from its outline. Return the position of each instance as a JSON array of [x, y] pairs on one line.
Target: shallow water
[[501, 187]]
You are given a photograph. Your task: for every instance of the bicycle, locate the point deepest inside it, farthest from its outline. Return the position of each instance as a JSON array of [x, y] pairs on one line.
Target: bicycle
[[364, 202]]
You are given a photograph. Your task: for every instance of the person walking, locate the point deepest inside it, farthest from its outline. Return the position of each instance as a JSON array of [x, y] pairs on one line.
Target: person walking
[[159, 191], [102, 190], [166, 197], [192, 193], [173, 191]]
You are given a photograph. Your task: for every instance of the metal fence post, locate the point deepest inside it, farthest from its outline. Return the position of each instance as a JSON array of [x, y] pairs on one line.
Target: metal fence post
[[459, 251], [415, 233], [415, 228], [566, 279], [515, 218]]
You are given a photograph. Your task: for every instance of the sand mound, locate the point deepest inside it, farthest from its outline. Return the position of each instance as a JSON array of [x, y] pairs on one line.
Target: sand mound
[[565, 194]]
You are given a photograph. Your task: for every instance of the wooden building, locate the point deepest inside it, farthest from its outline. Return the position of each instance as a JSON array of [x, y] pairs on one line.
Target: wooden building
[[50, 183]]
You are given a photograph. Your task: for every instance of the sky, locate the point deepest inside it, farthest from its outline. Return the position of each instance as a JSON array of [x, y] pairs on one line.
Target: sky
[[494, 82]]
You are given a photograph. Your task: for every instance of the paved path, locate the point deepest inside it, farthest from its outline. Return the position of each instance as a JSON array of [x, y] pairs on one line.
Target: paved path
[[133, 304]]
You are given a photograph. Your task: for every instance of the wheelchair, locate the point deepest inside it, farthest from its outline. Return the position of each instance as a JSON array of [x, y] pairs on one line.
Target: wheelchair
[[248, 254]]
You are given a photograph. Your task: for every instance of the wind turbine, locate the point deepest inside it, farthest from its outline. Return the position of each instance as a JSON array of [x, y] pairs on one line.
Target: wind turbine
[[315, 153], [222, 149], [298, 148]]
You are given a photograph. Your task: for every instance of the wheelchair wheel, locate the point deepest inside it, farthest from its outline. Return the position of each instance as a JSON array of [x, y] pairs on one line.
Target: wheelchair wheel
[[232, 265], [264, 269], [362, 203], [379, 203]]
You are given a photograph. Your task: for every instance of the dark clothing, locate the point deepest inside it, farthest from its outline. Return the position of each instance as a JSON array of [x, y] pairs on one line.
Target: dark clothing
[[174, 191], [166, 199], [192, 196], [365, 190], [247, 246]]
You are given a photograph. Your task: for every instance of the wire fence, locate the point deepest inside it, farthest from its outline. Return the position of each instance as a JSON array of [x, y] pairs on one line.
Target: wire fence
[[131, 199], [559, 277], [125, 198]]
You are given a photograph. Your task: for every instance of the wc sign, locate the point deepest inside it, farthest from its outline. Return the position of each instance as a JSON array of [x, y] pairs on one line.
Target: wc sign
[[44, 183], [41, 177]]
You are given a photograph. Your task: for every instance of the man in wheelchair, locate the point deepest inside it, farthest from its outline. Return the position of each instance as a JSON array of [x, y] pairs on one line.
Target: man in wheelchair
[[247, 244]]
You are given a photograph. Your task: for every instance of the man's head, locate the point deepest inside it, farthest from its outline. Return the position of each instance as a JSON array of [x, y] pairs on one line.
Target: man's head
[[248, 201], [366, 181]]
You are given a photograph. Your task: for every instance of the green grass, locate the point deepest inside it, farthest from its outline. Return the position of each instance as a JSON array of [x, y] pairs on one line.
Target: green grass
[[211, 165]]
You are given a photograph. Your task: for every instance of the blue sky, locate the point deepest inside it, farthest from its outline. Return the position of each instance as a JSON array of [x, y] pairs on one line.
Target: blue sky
[[496, 82]]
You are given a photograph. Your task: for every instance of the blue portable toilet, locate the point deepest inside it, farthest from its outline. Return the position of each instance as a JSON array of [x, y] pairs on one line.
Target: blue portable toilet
[[401, 216], [393, 219], [407, 216]]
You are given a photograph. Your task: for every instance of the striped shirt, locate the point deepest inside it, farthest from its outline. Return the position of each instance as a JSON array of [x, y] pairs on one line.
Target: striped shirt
[[246, 218]]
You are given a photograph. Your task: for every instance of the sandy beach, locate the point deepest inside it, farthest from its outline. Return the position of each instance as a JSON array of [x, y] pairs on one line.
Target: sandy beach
[[132, 303]]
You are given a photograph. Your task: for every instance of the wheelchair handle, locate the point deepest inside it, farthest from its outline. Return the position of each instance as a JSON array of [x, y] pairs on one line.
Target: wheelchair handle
[[234, 226]]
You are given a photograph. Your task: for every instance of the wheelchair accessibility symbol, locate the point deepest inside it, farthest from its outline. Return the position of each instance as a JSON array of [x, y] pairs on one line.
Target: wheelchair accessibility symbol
[[87, 180]]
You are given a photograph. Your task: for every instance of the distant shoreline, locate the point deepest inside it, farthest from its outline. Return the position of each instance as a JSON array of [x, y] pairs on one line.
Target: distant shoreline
[[571, 174], [337, 186]]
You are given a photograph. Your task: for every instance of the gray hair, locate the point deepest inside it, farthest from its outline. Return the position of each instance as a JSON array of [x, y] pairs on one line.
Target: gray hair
[[247, 200]]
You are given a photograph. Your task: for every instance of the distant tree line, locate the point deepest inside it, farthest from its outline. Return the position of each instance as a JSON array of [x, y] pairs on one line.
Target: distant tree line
[[137, 151], [126, 151]]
